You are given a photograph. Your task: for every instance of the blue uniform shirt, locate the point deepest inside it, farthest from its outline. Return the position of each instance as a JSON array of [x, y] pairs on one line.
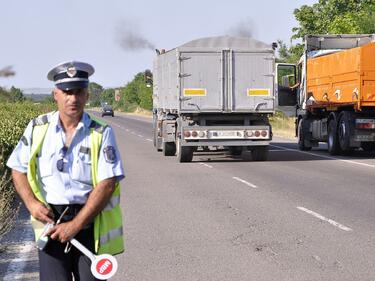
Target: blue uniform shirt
[[73, 184]]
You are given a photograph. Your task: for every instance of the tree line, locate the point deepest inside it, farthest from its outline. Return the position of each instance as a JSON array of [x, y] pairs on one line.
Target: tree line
[[134, 94]]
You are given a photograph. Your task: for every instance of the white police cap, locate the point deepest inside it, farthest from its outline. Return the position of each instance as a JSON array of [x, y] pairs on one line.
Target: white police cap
[[71, 75]]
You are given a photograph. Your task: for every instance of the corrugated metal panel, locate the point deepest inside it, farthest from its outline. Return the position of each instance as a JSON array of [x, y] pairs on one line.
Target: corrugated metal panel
[[166, 83]]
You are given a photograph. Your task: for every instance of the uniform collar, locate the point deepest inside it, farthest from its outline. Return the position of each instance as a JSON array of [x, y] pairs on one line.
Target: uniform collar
[[83, 123]]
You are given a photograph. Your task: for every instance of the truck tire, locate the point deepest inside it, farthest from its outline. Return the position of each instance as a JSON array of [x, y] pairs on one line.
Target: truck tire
[[368, 146], [259, 153], [301, 137], [169, 149], [333, 142], [235, 150], [343, 133], [184, 153]]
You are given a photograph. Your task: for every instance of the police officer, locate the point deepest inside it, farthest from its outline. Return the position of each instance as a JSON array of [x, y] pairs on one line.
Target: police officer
[[66, 160]]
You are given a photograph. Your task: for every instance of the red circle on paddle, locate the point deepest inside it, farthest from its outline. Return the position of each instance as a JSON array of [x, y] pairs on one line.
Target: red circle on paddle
[[104, 266]]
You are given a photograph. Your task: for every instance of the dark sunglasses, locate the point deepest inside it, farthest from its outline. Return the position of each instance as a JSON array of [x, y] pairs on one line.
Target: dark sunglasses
[[60, 162]]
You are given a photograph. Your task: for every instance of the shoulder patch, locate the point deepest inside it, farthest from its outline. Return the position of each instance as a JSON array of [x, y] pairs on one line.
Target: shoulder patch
[[110, 154]]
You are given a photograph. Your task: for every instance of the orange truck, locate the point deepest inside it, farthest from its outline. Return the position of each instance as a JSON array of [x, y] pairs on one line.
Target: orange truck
[[332, 92]]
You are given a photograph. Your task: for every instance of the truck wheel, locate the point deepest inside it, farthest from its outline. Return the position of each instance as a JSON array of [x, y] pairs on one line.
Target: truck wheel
[[169, 148], [259, 153], [333, 142], [301, 137], [235, 150], [368, 146], [184, 153], [344, 133]]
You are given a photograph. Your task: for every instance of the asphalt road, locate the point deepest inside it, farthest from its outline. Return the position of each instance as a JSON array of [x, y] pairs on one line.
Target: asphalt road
[[298, 216]]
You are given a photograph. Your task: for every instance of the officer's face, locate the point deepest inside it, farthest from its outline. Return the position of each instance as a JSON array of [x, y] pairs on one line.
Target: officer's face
[[71, 103]]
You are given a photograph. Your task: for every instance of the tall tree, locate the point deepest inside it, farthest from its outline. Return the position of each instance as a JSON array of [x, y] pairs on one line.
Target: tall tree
[[95, 91], [330, 17], [335, 17]]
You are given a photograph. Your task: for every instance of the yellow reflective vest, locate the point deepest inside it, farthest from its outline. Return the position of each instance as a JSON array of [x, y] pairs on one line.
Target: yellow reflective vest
[[108, 232]]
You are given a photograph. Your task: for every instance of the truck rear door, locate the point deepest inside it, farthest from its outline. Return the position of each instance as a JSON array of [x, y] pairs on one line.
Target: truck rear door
[[251, 82], [201, 82]]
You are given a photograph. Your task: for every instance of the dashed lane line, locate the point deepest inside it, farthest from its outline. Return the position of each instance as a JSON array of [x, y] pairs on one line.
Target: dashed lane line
[[206, 165], [245, 182], [319, 216]]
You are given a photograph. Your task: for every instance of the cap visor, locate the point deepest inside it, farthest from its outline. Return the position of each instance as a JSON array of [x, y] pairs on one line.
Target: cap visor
[[72, 85]]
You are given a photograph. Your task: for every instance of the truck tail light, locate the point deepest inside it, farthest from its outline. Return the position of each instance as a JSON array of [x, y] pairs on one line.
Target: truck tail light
[[264, 133], [187, 134], [365, 124], [257, 134], [194, 134]]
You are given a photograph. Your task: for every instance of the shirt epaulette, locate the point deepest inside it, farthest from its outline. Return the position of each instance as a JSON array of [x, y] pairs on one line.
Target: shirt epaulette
[[41, 120], [97, 126]]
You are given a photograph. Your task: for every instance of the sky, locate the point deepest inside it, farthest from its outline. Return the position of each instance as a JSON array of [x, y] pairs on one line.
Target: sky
[[39, 34]]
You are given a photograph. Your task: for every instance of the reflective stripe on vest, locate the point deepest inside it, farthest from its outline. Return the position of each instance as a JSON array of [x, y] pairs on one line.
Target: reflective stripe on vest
[[109, 221], [115, 200], [111, 235]]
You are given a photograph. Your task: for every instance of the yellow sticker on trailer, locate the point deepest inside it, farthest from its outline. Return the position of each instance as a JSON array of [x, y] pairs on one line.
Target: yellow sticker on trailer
[[258, 92], [195, 92]]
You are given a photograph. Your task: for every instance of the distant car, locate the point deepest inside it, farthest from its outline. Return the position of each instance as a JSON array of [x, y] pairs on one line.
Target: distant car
[[107, 110]]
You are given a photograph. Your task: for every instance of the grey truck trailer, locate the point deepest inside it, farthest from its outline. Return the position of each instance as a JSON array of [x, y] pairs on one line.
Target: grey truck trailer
[[214, 92]]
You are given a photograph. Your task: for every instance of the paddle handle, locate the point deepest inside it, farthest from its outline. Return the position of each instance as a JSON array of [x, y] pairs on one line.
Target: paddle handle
[[83, 249]]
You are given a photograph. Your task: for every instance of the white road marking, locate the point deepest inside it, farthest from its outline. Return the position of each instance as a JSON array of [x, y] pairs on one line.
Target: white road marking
[[245, 182], [140, 136], [330, 221], [274, 150], [149, 140], [127, 130], [325, 156], [206, 165]]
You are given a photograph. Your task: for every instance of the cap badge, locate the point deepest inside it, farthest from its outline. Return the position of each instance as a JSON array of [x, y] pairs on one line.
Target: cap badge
[[71, 71]]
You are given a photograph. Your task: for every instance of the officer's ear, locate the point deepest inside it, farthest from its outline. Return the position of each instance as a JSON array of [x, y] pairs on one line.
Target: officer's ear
[[54, 93]]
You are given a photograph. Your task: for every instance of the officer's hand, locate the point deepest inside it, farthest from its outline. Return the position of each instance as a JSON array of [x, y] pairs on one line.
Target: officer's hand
[[40, 212], [64, 232]]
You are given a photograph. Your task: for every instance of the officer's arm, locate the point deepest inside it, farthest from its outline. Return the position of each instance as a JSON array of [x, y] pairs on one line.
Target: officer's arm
[[35, 207], [96, 202]]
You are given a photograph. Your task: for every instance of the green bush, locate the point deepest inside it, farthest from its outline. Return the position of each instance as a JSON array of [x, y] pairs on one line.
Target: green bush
[[14, 119]]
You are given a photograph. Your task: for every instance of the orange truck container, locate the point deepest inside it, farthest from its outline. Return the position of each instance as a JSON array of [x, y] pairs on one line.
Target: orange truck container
[[343, 78], [334, 96]]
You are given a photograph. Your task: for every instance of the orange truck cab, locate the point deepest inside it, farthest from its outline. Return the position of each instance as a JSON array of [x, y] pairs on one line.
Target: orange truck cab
[[333, 92]]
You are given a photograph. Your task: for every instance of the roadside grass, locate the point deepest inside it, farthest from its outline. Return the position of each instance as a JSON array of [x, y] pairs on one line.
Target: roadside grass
[[283, 126]]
